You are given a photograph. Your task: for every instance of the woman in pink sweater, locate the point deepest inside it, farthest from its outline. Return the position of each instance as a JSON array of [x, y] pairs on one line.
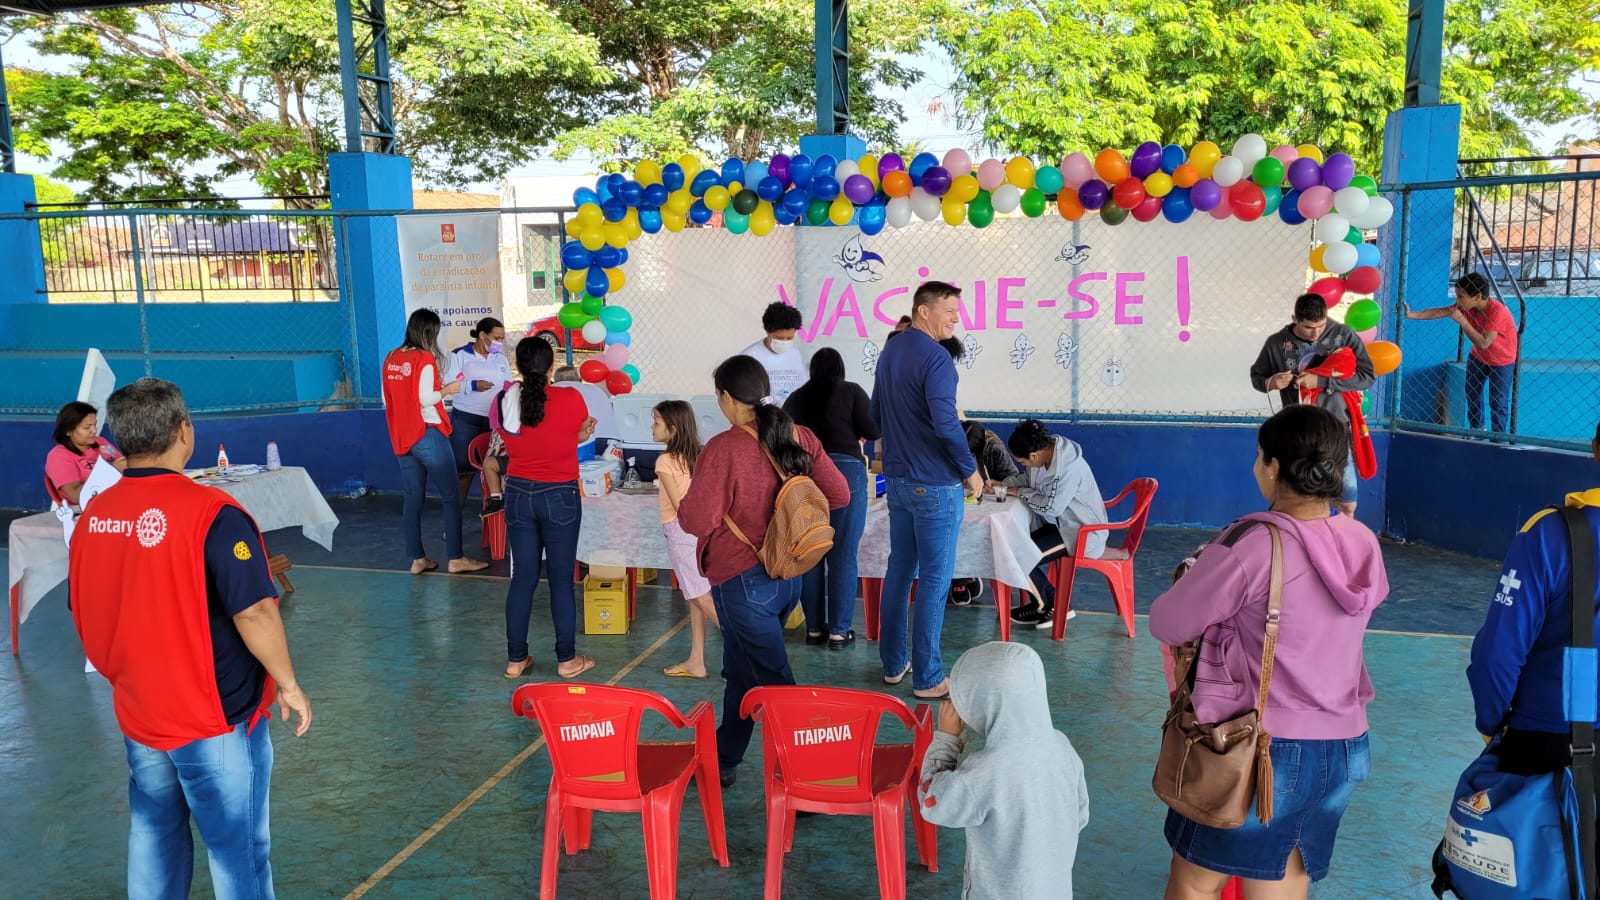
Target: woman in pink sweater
[[1333, 578], [735, 479]]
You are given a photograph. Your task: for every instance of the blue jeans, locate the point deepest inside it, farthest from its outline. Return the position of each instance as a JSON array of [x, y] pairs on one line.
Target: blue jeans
[[924, 521], [542, 520], [752, 607], [828, 591], [431, 458], [464, 428], [1499, 381], [222, 783]]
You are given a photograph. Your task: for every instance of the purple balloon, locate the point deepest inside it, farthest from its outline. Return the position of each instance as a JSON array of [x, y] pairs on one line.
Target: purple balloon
[[1092, 193], [1303, 173], [890, 162], [858, 189], [936, 181], [1146, 160], [1205, 195], [779, 168], [1337, 171]]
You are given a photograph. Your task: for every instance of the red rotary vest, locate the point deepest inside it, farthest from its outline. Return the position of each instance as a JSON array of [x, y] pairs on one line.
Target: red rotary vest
[[138, 586], [401, 370]]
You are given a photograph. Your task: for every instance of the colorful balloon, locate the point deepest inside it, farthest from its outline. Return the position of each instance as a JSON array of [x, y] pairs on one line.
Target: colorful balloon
[[1148, 209], [957, 162], [1205, 195], [1363, 280], [1247, 200], [594, 332], [896, 183], [1048, 179], [618, 382], [1128, 193], [1020, 171], [1146, 160], [1385, 357], [1330, 289], [1172, 156], [1067, 204], [632, 371], [991, 174], [1337, 171], [858, 189], [1204, 156], [1075, 170], [1158, 184], [1111, 167], [571, 315], [1186, 175], [1176, 206], [1268, 172], [1092, 194], [593, 371], [1304, 173], [1006, 198], [1033, 203], [1363, 314], [1315, 202], [1112, 214], [1228, 171]]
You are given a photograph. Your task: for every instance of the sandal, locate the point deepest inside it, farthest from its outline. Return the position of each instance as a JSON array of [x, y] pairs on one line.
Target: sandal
[[515, 670], [841, 641], [419, 566], [585, 663], [816, 637], [679, 670], [467, 564]]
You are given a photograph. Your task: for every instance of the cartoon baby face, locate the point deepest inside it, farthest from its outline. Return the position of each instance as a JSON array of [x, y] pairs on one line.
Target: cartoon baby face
[[1111, 374]]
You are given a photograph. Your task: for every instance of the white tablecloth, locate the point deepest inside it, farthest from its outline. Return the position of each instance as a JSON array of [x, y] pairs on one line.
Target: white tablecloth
[[627, 525], [37, 555]]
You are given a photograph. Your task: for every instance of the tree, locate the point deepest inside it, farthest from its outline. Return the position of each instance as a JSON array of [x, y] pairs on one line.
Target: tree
[[1044, 77]]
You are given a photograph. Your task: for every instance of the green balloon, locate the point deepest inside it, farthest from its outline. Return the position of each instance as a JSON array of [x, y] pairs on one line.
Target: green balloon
[[1366, 183], [984, 199], [572, 315], [737, 222], [1033, 203], [745, 202], [1353, 237], [632, 371], [1363, 314], [817, 212], [1112, 214], [1274, 197], [591, 306], [1366, 403], [615, 318], [1048, 179], [1268, 172], [980, 216]]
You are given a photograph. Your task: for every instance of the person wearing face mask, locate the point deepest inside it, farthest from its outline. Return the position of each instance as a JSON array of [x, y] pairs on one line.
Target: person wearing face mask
[[786, 369], [482, 369]]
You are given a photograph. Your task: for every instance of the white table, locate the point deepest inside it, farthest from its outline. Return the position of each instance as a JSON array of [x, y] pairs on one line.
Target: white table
[[286, 498], [626, 525]]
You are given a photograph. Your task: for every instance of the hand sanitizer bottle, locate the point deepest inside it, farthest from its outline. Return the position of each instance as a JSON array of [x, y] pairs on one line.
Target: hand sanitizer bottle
[[222, 460], [273, 462]]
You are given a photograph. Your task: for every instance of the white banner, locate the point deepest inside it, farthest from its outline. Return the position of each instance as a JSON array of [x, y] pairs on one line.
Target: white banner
[[450, 263], [1149, 318]]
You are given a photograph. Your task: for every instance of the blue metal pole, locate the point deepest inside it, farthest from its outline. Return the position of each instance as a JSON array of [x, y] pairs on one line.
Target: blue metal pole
[[347, 76], [1424, 50]]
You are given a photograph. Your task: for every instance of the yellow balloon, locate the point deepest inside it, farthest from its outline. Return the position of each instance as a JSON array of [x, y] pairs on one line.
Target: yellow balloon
[[1204, 156], [630, 223], [589, 214], [616, 234], [690, 165], [1158, 184], [647, 172], [717, 198], [1019, 171], [762, 221], [965, 188], [734, 187], [574, 280], [574, 227], [616, 278], [1316, 258], [954, 213], [593, 238], [672, 222], [840, 210], [1310, 151], [869, 167], [679, 201]]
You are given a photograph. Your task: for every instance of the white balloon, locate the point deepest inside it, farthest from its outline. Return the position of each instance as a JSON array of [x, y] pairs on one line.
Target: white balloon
[[1351, 201], [1378, 212], [1331, 229], [845, 169], [898, 212], [1250, 149], [1339, 258], [1228, 171], [1006, 198], [594, 332], [924, 204]]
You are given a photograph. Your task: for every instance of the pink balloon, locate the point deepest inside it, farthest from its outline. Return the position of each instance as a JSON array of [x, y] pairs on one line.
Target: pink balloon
[[615, 356], [1316, 201], [991, 174], [1368, 336], [1222, 210], [1285, 154], [1075, 170], [958, 162]]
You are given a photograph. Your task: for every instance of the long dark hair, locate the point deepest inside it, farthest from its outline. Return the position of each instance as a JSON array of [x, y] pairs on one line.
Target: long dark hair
[[422, 333], [684, 442], [67, 421], [534, 359], [1311, 446], [827, 373], [1029, 437], [745, 380]]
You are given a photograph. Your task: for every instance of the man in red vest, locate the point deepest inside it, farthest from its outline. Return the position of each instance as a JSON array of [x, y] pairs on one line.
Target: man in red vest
[[171, 595]]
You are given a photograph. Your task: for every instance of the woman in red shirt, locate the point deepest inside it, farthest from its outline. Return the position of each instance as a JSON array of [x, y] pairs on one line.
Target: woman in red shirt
[[542, 429], [735, 479], [1487, 323]]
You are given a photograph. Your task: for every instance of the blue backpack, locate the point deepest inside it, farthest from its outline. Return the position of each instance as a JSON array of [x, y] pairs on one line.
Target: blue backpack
[[1532, 837]]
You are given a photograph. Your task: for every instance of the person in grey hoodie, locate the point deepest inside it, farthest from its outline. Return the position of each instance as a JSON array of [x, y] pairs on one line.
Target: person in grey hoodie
[[1059, 489], [1333, 578], [1022, 798]]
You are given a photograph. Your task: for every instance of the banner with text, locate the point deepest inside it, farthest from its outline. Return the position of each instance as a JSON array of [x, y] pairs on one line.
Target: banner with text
[[450, 263]]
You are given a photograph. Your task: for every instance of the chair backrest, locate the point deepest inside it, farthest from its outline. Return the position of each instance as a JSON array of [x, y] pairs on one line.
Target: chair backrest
[[478, 449], [823, 737], [55, 495], [1144, 490], [592, 731]]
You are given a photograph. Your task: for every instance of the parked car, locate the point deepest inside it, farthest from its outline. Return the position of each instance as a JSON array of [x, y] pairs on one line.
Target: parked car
[[551, 331], [1545, 272]]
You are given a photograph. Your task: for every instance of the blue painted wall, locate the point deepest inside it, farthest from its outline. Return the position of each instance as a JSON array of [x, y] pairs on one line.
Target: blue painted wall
[[21, 251]]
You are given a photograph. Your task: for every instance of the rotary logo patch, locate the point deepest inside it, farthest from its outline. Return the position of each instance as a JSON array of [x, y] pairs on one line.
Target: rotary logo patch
[[241, 551]]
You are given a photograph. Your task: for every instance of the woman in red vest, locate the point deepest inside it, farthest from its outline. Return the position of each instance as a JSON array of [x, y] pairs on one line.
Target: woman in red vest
[[419, 431]]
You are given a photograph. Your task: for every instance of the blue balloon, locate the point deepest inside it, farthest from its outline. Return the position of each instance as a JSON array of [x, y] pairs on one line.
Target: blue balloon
[[922, 163], [800, 169], [732, 170], [622, 252], [650, 220], [631, 193], [655, 195], [1176, 206], [1172, 156], [618, 337], [783, 217], [872, 218], [614, 210], [584, 195], [796, 201], [607, 257], [1368, 255], [602, 188], [671, 176], [753, 173], [704, 180], [824, 187], [769, 189], [1289, 208], [824, 165], [574, 256], [597, 283], [615, 181], [699, 213]]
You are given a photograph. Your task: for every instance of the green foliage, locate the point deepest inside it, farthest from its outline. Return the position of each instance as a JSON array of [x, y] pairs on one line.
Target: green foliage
[[56, 233]]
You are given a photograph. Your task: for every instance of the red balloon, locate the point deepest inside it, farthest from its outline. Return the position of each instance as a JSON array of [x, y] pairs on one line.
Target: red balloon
[[619, 383], [1128, 193], [1363, 280], [1247, 201], [594, 371], [1330, 289], [1148, 209]]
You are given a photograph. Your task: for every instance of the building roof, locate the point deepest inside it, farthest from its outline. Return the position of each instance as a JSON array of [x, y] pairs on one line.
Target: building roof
[[205, 238]]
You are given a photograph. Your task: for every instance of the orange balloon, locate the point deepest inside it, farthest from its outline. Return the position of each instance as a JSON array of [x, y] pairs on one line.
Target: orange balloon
[[1186, 175], [1110, 166], [897, 184], [1385, 357], [1067, 204]]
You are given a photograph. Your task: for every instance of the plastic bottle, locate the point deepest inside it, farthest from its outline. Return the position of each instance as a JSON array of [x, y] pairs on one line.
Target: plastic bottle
[[273, 462], [222, 460]]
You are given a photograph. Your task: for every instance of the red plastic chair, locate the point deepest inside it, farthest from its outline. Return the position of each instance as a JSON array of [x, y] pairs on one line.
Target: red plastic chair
[[1116, 564], [592, 731], [820, 751], [494, 525]]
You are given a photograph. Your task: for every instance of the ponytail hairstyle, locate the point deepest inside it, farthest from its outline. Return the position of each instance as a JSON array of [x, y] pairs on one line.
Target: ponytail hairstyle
[[1311, 446], [827, 373], [1030, 437], [486, 326], [534, 359], [684, 443], [745, 380], [422, 333]]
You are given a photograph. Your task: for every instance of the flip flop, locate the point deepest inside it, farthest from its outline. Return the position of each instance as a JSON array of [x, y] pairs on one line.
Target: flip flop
[[676, 670], [588, 663], [431, 566], [525, 665]]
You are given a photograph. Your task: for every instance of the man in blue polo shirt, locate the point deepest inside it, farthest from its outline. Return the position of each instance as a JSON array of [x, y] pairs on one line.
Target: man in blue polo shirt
[[925, 462]]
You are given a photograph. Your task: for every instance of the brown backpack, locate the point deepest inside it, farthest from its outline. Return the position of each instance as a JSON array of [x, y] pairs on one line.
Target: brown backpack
[[800, 532]]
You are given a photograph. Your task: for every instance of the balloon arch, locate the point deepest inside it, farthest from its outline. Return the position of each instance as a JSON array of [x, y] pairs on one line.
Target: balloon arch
[[873, 192]]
